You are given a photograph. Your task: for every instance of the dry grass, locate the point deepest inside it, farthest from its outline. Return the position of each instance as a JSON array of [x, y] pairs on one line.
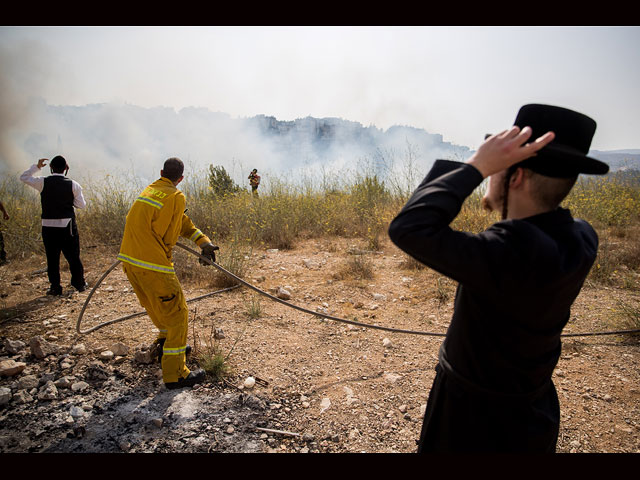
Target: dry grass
[[360, 206]]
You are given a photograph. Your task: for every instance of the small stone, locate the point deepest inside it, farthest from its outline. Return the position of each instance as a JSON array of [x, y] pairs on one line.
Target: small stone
[[64, 382], [230, 430], [325, 404], [249, 382], [22, 397], [607, 398], [13, 346], [76, 412], [218, 334], [386, 343], [40, 348], [48, 392], [5, 395], [79, 386], [392, 377], [119, 349], [157, 422], [106, 355], [79, 349], [144, 355], [9, 368], [283, 293], [28, 382], [403, 408]]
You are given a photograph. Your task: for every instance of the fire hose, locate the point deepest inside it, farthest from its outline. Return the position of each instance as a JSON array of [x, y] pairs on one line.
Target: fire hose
[[279, 300]]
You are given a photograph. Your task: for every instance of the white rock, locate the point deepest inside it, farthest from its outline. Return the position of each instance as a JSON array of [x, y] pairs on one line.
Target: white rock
[[392, 377], [325, 404], [283, 293], [379, 296], [106, 355], [386, 343], [249, 382]]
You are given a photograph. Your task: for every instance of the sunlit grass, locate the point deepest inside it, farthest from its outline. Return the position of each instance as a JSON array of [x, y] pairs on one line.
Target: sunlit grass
[[358, 205]]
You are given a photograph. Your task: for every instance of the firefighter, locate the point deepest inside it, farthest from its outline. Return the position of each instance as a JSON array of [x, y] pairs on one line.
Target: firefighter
[[60, 196], [154, 222], [254, 181]]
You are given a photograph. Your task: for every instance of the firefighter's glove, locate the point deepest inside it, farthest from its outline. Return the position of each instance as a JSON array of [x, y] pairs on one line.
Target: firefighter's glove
[[209, 251]]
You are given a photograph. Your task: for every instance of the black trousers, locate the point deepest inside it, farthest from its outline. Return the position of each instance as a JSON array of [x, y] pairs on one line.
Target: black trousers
[[461, 421], [66, 241], [3, 254]]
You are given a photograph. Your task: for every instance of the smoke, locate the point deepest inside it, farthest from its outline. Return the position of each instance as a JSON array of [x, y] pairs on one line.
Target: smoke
[[25, 72], [120, 138], [134, 141]]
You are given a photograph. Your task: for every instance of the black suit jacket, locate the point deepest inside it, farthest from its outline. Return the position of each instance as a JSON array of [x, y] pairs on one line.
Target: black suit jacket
[[517, 280]]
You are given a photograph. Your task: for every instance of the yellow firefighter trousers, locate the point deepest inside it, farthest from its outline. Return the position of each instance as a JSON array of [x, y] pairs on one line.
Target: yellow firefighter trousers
[[161, 296]]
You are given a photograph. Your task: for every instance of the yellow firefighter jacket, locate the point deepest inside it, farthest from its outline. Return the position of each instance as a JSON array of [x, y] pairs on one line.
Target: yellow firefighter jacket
[[154, 222]]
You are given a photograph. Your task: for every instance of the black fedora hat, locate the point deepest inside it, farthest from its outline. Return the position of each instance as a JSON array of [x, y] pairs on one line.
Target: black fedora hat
[[566, 155]]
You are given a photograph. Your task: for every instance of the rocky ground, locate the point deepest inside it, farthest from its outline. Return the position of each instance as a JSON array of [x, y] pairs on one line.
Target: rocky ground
[[320, 385]]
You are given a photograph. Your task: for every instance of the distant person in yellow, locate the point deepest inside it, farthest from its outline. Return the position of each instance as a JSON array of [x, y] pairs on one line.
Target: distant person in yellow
[[154, 222], [254, 181]]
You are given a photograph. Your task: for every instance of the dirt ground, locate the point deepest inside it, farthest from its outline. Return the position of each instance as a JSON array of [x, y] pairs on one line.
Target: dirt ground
[[321, 385]]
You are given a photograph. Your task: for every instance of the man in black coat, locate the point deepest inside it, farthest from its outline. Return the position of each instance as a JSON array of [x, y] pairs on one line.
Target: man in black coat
[[59, 196], [516, 281]]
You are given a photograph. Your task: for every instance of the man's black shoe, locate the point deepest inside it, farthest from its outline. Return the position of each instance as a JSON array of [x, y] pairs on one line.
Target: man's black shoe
[[54, 291], [82, 288], [194, 377]]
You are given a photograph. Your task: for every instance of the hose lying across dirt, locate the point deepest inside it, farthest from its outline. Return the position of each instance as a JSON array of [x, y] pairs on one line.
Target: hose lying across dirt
[[276, 299]]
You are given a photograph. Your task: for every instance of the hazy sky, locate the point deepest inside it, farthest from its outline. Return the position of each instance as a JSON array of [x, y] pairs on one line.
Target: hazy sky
[[460, 82]]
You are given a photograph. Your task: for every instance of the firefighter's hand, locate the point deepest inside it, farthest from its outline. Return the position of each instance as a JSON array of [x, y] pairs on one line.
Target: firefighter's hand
[[209, 251]]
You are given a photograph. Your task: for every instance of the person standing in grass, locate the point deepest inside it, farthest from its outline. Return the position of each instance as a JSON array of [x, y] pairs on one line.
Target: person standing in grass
[[154, 222], [59, 196], [254, 181], [517, 280], [3, 253]]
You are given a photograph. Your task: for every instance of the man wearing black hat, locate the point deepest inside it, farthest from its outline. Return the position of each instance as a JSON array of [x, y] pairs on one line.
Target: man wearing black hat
[[59, 197], [516, 281]]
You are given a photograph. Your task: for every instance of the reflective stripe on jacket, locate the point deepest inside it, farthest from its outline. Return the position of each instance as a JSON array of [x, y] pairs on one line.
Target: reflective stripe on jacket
[[154, 222]]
